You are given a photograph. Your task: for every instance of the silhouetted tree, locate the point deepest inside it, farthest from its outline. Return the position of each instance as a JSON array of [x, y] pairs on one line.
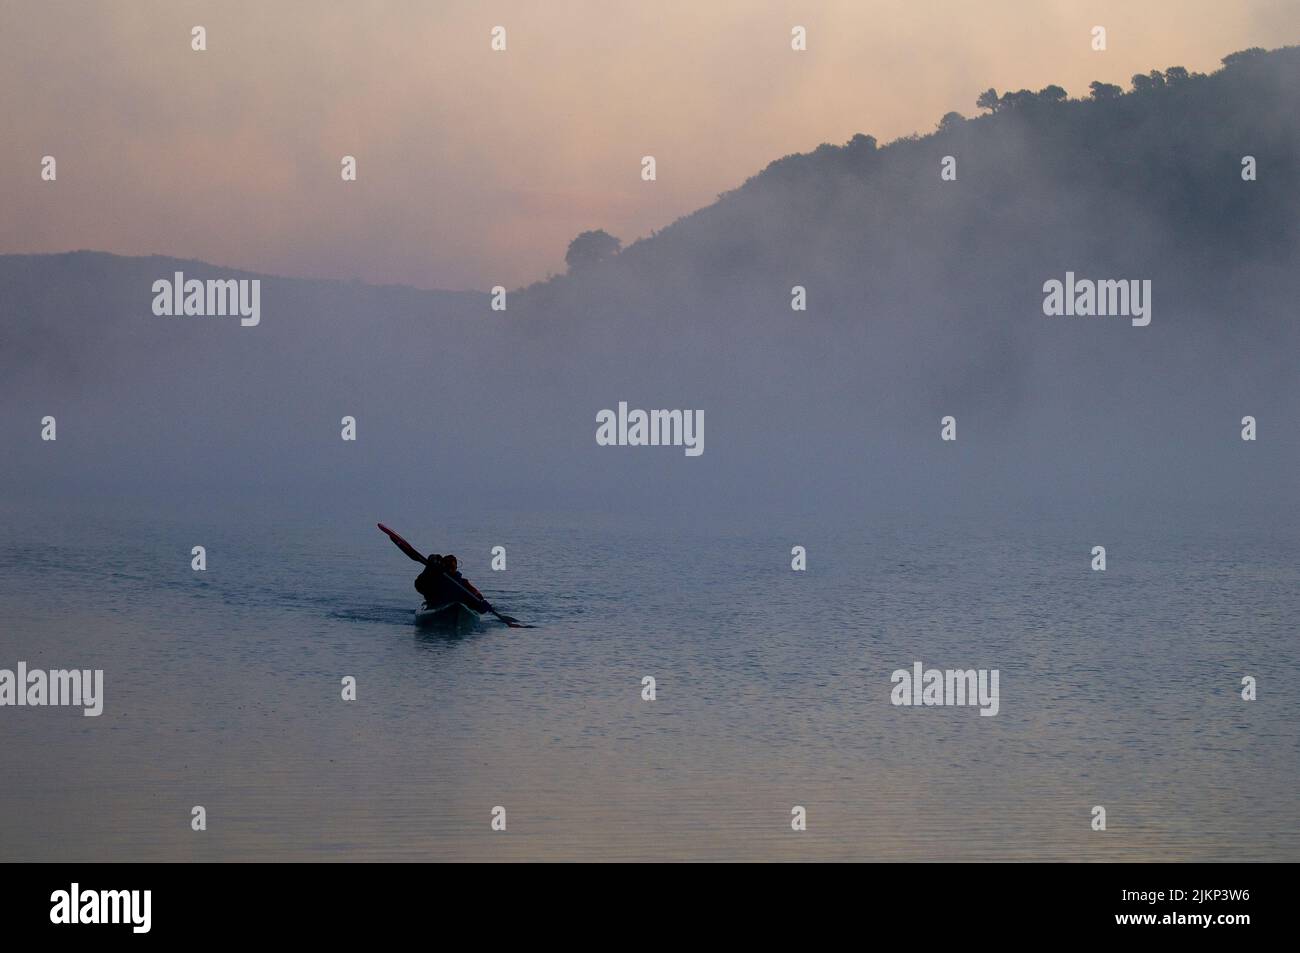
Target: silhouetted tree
[[950, 121], [1176, 74], [1142, 83], [989, 100], [1242, 56], [1021, 97], [1102, 90], [591, 248], [860, 145]]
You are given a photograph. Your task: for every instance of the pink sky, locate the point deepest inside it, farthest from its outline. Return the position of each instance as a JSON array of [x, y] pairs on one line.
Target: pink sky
[[476, 167]]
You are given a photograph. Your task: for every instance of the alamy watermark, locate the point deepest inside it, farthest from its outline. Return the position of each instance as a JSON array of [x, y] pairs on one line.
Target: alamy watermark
[[216, 297], [82, 688], [651, 428], [932, 686], [1083, 297], [75, 906]]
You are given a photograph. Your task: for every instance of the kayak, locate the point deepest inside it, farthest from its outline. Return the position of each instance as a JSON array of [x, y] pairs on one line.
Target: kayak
[[448, 614], [461, 613]]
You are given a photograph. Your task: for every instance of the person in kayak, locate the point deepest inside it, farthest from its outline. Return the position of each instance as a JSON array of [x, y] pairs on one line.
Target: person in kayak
[[441, 583]]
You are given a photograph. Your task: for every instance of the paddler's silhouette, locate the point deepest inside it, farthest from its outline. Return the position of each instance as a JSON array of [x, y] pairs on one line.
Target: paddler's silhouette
[[441, 583]]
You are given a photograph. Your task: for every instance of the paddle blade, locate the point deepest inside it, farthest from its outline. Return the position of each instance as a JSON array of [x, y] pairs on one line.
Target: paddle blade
[[403, 545], [511, 621]]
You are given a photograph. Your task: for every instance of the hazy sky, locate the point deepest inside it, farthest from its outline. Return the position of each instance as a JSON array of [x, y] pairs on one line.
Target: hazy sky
[[477, 167]]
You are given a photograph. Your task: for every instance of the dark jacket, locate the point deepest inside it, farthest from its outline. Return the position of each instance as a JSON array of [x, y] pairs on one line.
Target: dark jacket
[[438, 588]]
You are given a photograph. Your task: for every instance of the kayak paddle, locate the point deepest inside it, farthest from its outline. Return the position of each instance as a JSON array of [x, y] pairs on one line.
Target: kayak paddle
[[414, 553]]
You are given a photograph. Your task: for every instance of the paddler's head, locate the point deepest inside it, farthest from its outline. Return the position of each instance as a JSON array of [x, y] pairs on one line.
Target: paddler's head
[[449, 563]]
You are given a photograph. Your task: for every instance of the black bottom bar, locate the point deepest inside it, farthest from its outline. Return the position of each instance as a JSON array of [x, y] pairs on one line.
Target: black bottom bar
[[333, 902]]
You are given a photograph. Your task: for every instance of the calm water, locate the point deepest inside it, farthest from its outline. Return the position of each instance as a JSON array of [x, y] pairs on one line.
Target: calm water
[[223, 689]]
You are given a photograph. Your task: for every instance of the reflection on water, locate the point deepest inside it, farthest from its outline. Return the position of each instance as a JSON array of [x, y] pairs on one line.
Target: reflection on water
[[223, 689]]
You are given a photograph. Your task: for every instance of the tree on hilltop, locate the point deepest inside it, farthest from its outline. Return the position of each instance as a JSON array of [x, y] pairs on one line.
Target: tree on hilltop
[[590, 249]]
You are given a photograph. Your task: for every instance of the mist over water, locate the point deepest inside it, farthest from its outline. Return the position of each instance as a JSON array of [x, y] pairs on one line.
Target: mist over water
[[925, 299]]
